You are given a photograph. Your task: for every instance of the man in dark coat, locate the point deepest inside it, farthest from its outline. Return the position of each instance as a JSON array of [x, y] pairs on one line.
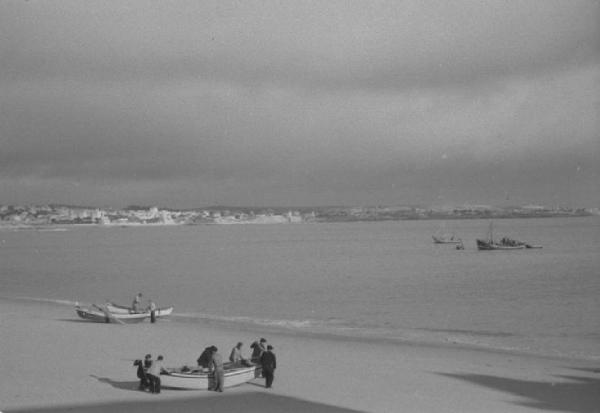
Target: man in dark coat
[[205, 357], [269, 364]]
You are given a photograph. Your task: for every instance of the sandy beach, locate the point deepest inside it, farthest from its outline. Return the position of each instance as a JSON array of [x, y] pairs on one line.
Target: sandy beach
[[53, 361]]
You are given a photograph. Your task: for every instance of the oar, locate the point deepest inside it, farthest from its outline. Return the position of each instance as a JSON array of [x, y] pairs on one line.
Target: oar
[[109, 315]]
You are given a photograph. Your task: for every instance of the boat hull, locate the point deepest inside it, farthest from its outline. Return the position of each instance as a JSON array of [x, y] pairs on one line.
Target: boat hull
[[205, 381], [121, 309], [490, 246], [98, 316]]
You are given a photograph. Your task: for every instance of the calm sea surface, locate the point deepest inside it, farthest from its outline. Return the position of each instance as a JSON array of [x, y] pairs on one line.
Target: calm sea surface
[[383, 280]]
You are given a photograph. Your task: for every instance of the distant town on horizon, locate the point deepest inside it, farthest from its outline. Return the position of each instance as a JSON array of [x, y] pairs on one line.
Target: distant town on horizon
[[53, 214]]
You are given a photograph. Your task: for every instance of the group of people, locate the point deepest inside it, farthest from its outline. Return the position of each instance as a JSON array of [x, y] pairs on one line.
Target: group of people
[[149, 373], [149, 370], [262, 354]]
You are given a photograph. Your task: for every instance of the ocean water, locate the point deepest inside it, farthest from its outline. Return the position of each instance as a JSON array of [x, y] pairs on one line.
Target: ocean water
[[378, 281]]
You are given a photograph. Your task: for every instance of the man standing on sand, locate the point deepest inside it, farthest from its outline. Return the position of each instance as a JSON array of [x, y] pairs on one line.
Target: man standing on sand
[[269, 364], [154, 374], [216, 364]]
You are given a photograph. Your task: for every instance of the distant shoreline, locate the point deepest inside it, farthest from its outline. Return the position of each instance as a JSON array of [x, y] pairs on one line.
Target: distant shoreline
[[58, 226], [51, 215]]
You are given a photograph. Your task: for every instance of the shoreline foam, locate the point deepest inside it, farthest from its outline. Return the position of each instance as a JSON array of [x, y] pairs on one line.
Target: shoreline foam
[[470, 340]]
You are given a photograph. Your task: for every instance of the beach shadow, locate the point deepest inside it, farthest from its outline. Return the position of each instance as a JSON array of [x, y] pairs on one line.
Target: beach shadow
[[580, 395], [75, 320], [123, 385], [260, 402], [257, 383]]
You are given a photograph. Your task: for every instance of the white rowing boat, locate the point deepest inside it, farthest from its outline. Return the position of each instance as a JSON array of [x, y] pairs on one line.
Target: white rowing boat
[[121, 309], [186, 379], [100, 315]]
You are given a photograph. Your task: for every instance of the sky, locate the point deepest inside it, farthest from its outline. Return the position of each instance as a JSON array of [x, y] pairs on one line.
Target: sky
[[186, 104]]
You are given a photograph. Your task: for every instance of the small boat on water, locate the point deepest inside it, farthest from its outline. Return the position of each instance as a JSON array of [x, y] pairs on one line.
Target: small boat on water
[[446, 239], [102, 315], [444, 236], [486, 245], [187, 379], [121, 309]]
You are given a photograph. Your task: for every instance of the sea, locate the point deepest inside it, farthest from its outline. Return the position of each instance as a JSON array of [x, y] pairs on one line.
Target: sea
[[380, 281]]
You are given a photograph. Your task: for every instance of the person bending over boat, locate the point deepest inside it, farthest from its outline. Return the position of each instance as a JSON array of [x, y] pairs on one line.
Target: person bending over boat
[[236, 355], [216, 365], [204, 359]]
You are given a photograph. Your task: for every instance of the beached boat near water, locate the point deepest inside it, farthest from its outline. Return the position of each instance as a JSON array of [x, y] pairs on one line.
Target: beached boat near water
[[187, 379], [121, 309], [102, 315]]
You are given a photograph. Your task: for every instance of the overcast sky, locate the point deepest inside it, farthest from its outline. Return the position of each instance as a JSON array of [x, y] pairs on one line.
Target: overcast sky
[[300, 103]]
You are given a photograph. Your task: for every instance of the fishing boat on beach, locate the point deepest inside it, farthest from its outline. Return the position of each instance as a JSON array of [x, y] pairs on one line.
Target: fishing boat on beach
[[185, 378], [122, 309], [490, 244], [102, 315]]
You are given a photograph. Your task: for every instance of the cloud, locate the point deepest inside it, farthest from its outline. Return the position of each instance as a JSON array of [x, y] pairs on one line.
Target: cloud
[[332, 45], [311, 102]]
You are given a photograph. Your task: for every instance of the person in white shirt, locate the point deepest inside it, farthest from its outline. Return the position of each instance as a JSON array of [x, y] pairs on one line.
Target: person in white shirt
[[154, 374]]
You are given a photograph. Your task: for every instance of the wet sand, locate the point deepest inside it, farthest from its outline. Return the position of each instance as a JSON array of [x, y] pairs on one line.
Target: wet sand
[[52, 362]]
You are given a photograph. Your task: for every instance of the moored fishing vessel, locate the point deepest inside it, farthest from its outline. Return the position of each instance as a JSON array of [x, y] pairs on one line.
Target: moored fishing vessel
[[486, 245], [187, 379], [489, 244]]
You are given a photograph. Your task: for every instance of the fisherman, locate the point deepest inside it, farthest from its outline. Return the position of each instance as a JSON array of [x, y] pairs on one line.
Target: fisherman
[[204, 359], [154, 374], [152, 308], [137, 303], [141, 371], [236, 354], [269, 364], [258, 347], [216, 365]]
